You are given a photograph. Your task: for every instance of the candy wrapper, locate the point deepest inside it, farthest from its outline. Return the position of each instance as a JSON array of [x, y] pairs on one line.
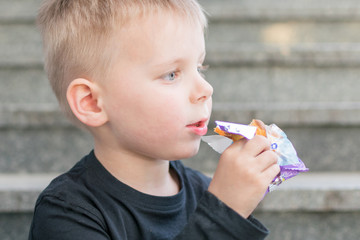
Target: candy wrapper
[[290, 164]]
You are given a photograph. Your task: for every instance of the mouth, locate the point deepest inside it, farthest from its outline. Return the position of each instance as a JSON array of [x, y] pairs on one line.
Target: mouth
[[197, 124], [199, 128]]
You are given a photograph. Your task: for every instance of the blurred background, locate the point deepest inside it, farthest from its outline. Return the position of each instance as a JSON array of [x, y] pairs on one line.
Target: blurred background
[[293, 63]]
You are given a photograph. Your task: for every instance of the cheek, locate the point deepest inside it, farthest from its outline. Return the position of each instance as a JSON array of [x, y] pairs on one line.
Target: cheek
[[156, 111], [167, 117], [163, 104], [166, 113]]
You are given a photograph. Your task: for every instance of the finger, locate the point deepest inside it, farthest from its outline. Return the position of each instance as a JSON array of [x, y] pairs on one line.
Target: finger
[[257, 145], [266, 159], [238, 145], [260, 123], [271, 172], [233, 150]]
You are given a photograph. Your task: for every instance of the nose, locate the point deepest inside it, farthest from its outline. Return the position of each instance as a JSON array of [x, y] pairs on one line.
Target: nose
[[201, 91]]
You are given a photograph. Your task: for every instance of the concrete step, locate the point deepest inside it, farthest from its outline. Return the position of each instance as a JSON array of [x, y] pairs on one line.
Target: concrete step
[[56, 150], [24, 40], [248, 10], [314, 206], [42, 150], [284, 33], [238, 84], [282, 84], [39, 139], [19, 10], [310, 206], [236, 24], [301, 55], [18, 194], [20, 44], [295, 114], [32, 115], [24, 85], [291, 114]]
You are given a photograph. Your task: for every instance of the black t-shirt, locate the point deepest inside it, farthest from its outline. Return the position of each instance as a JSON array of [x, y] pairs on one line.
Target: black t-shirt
[[89, 203]]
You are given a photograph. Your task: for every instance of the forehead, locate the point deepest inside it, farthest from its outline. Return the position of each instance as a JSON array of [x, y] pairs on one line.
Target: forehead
[[159, 35]]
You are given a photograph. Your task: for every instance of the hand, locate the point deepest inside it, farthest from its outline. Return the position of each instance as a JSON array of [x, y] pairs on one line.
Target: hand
[[243, 174]]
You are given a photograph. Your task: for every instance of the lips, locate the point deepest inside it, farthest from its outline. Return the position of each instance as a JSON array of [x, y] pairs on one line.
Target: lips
[[199, 128]]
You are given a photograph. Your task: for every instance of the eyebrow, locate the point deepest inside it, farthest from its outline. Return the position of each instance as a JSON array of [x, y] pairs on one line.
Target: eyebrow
[[177, 61]]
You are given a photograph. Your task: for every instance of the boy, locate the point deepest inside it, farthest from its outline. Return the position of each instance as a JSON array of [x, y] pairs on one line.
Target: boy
[[129, 71]]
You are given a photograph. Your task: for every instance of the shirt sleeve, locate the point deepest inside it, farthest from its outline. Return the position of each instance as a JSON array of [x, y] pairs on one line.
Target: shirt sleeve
[[215, 220], [54, 219]]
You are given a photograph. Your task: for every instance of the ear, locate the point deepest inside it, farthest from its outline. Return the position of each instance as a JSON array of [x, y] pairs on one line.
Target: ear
[[84, 99]]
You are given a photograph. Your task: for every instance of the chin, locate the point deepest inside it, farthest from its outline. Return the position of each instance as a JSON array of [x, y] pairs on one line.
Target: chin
[[182, 151], [191, 152]]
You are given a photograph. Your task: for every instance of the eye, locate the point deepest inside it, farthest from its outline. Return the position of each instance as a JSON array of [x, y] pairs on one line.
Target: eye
[[202, 69], [172, 76]]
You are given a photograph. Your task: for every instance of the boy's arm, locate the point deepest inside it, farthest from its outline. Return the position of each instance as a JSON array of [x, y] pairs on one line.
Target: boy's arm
[[241, 179], [214, 220]]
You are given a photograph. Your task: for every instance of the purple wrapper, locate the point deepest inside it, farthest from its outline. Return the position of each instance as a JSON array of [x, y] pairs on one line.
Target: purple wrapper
[[290, 164]]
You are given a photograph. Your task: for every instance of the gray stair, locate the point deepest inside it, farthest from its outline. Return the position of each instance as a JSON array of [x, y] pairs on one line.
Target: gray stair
[[18, 193], [293, 63], [14, 11], [332, 130], [282, 10], [315, 205]]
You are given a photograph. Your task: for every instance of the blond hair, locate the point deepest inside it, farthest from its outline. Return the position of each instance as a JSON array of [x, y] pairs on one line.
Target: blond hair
[[76, 35]]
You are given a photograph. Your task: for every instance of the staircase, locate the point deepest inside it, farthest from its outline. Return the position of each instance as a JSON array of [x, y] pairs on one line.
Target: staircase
[[293, 63]]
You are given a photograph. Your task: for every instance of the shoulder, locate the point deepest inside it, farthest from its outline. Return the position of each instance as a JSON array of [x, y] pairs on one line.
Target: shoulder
[[67, 204], [69, 191], [72, 180]]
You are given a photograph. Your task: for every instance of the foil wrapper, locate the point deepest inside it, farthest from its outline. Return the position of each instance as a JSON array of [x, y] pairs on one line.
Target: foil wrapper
[[290, 164]]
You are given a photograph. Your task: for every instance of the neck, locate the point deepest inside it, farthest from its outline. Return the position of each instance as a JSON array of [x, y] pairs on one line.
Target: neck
[[150, 176]]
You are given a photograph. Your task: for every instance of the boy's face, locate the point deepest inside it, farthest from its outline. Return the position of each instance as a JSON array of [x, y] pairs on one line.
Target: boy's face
[[157, 102]]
